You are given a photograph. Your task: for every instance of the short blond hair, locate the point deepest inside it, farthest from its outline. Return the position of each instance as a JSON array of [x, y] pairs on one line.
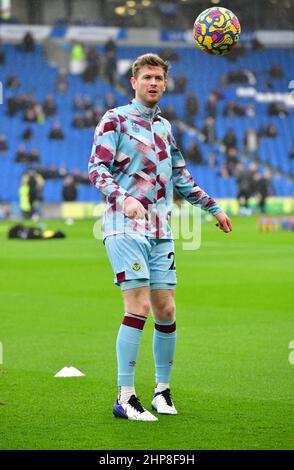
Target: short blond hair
[[151, 60]]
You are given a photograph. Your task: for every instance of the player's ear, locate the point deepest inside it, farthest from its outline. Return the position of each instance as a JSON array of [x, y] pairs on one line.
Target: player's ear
[[133, 83]]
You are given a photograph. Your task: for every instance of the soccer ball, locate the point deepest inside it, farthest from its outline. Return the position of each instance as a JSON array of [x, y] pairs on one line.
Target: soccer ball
[[216, 31]]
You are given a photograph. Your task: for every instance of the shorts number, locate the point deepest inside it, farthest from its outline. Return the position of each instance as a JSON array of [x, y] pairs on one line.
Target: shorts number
[[172, 255]]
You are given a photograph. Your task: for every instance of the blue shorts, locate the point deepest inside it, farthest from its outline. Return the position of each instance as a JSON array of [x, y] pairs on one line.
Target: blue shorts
[[139, 261]]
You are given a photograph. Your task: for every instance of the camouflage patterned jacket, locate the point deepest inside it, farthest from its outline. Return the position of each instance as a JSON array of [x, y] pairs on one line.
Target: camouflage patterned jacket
[[134, 154]]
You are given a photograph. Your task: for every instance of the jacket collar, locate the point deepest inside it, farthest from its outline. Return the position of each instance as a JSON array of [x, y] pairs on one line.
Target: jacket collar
[[143, 111]]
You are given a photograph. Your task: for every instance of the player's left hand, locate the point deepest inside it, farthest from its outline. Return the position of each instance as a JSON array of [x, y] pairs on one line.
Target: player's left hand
[[224, 222]]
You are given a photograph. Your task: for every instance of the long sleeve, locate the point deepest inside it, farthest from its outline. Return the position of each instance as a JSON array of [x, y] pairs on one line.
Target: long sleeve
[[102, 157], [186, 186]]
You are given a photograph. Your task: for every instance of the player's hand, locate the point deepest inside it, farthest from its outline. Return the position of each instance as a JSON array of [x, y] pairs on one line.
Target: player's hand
[[224, 222], [134, 209]]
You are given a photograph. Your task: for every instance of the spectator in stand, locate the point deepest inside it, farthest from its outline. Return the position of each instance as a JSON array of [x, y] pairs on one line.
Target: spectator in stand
[[233, 109], [271, 130], [24, 197], [210, 107], [33, 156], [241, 76], [180, 83], [56, 131], [229, 140], [111, 68], [262, 131], [224, 172], [27, 101], [193, 154], [21, 154], [276, 71], [49, 106], [92, 68], [76, 174], [62, 82], [87, 101], [27, 134], [217, 93], [40, 115], [52, 172], [250, 110], [2, 56], [262, 189], [208, 131], [3, 143], [77, 63], [251, 144], [36, 183], [30, 115], [278, 109], [232, 160], [78, 104], [291, 154], [191, 109], [12, 82], [110, 46], [28, 43], [245, 184], [78, 121], [90, 120], [62, 171], [211, 158], [93, 59], [41, 170], [13, 106], [69, 190]]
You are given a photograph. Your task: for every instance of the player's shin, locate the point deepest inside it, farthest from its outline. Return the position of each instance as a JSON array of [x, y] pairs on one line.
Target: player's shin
[[164, 343], [127, 348]]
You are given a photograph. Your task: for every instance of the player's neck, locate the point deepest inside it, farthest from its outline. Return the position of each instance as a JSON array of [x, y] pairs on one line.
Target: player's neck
[[146, 105]]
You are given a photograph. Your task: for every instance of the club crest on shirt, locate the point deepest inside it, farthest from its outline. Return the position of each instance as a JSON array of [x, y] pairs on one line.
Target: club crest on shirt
[[136, 266]]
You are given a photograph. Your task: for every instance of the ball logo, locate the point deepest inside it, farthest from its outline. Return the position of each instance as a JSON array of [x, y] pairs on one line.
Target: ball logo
[[291, 355]]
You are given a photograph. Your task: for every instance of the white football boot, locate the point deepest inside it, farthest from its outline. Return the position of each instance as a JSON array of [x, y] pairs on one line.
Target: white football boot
[[132, 410], [162, 403]]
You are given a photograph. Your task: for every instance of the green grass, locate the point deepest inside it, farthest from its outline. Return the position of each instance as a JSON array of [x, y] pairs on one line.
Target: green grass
[[232, 382]]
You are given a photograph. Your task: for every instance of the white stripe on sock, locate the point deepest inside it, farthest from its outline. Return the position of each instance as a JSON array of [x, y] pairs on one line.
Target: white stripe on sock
[[161, 387], [125, 393]]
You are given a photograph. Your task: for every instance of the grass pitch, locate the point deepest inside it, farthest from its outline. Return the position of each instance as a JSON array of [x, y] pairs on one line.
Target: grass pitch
[[232, 382]]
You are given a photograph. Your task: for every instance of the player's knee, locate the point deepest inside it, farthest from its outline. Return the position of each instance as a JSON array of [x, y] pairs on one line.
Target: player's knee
[[138, 305], [143, 307], [166, 312]]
